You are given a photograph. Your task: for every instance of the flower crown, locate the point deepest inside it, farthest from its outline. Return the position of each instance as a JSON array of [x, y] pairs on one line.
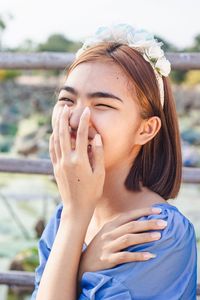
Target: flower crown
[[140, 40]]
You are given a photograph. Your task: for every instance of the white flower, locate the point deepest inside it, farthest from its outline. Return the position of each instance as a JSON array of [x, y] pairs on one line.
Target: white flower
[[163, 66], [154, 52], [103, 33], [118, 35], [141, 36], [141, 46], [140, 40]]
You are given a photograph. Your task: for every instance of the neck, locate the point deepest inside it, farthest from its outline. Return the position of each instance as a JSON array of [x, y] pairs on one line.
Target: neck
[[116, 198]]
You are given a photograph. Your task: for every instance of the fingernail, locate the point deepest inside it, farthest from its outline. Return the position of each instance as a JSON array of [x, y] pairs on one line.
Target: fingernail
[[149, 255], [86, 110], [98, 141], [156, 235], [161, 223], [65, 107], [156, 210]]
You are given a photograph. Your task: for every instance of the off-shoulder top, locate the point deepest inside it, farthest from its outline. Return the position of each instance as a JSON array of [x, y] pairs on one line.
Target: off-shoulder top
[[171, 275]]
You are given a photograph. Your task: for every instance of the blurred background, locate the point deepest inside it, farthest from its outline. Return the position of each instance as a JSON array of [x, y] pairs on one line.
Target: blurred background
[[27, 98]]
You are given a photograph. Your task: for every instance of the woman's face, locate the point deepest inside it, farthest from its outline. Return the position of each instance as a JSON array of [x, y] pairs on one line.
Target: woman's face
[[114, 112]]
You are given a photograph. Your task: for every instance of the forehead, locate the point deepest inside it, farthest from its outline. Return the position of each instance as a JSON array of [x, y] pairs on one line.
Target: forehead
[[93, 76]]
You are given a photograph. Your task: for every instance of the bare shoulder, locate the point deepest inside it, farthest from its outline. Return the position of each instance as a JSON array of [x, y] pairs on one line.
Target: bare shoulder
[[149, 197]]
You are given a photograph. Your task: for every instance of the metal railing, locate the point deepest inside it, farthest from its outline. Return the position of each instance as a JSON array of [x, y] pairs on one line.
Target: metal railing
[[60, 60]]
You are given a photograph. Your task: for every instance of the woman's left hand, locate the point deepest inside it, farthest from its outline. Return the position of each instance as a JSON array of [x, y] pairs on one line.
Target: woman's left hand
[[80, 184]]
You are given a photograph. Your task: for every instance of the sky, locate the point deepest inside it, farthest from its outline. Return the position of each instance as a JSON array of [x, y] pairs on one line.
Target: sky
[[177, 21]]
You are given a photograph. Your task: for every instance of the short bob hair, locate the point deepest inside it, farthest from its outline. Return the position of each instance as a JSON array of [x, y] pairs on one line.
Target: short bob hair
[[158, 164]]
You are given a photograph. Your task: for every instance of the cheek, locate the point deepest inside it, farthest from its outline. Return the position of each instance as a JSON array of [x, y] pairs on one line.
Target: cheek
[[116, 135], [116, 143], [119, 139]]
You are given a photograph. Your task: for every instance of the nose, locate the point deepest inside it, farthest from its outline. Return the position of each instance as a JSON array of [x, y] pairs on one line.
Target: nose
[[74, 118]]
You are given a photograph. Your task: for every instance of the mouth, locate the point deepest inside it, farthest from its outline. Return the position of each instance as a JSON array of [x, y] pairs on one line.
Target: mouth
[[89, 149], [73, 145]]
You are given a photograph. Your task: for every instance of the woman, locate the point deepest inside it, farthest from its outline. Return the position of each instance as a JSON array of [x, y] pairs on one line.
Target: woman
[[115, 149]]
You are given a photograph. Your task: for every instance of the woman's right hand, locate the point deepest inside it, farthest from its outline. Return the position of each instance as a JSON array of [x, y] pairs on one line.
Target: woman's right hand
[[123, 231]]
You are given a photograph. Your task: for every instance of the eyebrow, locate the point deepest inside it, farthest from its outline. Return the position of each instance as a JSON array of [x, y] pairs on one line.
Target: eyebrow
[[90, 95]]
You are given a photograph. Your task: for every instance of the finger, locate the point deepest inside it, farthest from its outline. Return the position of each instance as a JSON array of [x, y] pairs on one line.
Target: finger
[[82, 133], [51, 149], [123, 257], [134, 215], [98, 155], [128, 240], [56, 135], [65, 142], [138, 226], [54, 114]]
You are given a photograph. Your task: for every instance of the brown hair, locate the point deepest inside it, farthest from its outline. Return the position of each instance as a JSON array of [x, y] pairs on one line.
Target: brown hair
[[158, 164]]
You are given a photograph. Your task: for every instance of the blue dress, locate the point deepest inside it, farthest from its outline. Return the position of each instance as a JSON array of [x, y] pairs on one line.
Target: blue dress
[[171, 275]]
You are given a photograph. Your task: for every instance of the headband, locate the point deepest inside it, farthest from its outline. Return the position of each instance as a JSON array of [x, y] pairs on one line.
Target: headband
[[138, 39]]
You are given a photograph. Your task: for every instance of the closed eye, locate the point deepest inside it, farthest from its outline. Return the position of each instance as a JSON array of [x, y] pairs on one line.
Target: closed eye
[[105, 105], [65, 99]]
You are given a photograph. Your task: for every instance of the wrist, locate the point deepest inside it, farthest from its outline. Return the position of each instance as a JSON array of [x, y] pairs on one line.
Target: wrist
[[77, 216]]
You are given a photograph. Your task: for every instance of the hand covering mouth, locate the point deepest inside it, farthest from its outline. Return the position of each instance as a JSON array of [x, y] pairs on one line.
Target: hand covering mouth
[[73, 144], [73, 136]]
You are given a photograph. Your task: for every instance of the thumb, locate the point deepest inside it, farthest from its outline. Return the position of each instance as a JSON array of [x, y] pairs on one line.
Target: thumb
[[98, 154]]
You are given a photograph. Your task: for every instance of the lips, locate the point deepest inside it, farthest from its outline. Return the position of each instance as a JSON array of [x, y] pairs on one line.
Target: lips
[[73, 136], [73, 144]]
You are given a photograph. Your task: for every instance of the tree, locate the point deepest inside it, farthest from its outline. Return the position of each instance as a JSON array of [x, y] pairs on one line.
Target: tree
[[2, 28], [2, 24], [177, 76], [196, 45], [59, 43], [167, 46], [3, 20]]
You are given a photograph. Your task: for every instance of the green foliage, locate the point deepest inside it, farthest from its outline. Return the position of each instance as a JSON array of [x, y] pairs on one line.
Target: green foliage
[[178, 76], [26, 46], [192, 77], [9, 129], [58, 43], [2, 24], [8, 16], [196, 45], [29, 259], [9, 74], [6, 145]]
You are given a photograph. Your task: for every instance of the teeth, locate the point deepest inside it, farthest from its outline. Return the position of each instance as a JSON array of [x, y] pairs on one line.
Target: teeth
[[73, 143]]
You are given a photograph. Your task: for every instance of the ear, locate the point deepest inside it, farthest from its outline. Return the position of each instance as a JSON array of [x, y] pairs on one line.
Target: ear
[[148, 129]]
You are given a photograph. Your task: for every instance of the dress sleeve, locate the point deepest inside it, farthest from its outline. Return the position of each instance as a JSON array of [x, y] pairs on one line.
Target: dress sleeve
[[45, 244], [172, 274], [100, 286]]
